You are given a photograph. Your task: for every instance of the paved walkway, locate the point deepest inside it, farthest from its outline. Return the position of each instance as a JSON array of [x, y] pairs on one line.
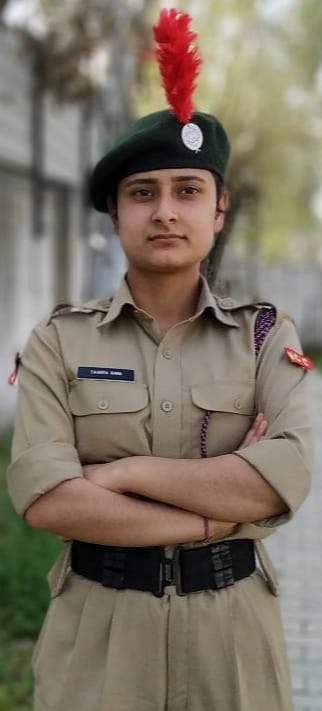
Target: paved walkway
[[297, 553]]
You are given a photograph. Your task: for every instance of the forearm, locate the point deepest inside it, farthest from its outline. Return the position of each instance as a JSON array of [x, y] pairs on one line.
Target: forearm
[[78, 509], [224, 488]]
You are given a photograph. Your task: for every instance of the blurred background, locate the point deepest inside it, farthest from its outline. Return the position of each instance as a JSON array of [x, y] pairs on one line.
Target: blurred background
[[72, 75]]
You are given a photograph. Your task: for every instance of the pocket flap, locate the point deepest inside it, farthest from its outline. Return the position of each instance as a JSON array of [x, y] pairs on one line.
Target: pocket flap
[[235, 397], [95, 397]]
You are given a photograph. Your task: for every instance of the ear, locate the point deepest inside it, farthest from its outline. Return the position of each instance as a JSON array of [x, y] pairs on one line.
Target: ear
[[112, 211], [221, 209]]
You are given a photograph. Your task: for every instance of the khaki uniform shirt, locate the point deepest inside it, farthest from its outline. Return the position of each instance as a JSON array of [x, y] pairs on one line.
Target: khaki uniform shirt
[[152, 401]]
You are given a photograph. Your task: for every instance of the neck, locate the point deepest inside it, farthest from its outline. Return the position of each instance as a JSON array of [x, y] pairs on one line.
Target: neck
[[168, 298]]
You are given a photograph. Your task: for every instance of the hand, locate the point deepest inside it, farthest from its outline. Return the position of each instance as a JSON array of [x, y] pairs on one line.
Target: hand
[[256, 432], [221, 529], [119, 475]]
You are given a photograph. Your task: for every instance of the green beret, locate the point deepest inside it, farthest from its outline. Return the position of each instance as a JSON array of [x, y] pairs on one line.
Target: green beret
[[158, 141]]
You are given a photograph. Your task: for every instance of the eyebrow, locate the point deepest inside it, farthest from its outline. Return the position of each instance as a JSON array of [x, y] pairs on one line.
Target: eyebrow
[[155, 181]]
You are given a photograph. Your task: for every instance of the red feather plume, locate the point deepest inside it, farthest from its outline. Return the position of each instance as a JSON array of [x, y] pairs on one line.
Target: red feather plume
[[178, 60]]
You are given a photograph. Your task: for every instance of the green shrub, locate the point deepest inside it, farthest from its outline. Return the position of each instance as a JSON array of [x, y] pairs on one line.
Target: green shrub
[[15, 674], [316, 355], [25, 558]]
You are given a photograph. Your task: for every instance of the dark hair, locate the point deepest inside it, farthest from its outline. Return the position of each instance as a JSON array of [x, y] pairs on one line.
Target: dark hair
[[219, 185]]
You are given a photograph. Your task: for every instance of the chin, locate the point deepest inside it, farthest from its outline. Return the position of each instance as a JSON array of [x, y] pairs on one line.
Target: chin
[[169, 268]]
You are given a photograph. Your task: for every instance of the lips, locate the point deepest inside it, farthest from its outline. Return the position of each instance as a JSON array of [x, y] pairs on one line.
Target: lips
[[166, 236]]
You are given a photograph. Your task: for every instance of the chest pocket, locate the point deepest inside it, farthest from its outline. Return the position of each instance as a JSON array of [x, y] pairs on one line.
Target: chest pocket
[[111, 419], [231, 405]]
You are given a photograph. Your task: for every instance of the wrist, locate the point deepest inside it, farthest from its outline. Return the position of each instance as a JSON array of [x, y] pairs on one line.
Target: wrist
[[132, 477]]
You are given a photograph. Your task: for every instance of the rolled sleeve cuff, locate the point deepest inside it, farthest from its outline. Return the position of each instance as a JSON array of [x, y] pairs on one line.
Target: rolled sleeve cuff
[[281, 465], [39, 470]]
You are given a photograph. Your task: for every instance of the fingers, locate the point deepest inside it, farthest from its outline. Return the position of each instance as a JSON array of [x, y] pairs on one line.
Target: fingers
[[256, 431], [259, 426]]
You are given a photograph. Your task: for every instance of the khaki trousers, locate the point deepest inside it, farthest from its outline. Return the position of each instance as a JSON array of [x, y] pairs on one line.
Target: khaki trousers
[[106, 650]]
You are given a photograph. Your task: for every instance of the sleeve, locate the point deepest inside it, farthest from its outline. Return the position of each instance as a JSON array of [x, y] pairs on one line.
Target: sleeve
[[43, 448], [284, 457]]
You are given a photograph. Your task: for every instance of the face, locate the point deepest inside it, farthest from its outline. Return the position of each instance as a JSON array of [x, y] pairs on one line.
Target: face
[[166, 219]]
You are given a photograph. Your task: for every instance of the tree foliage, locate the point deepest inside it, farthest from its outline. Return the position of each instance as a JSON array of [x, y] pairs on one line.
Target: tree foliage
[[73, 41]]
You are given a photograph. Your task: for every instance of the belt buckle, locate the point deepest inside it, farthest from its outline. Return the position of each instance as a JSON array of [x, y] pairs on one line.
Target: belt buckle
[[170, 573]]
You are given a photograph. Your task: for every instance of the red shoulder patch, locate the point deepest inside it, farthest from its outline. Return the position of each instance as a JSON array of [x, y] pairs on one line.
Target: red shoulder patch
[[298, 358]]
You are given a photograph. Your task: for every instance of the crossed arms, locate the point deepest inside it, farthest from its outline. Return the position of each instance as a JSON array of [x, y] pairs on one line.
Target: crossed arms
[[101, 507]]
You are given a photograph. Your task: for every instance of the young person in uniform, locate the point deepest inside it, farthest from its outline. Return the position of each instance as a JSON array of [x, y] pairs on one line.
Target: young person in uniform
[[127, 443]]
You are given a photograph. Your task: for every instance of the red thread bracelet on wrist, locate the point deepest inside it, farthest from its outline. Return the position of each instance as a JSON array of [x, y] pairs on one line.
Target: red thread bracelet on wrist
[[206, 529]]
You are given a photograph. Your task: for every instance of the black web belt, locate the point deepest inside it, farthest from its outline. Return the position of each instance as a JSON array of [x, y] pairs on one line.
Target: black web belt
[[211, 567]]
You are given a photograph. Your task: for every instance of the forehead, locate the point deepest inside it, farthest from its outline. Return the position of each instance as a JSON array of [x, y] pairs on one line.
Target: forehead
[[168, 175]]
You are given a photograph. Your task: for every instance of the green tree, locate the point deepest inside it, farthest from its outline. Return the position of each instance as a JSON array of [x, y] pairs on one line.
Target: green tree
[[75, 41]]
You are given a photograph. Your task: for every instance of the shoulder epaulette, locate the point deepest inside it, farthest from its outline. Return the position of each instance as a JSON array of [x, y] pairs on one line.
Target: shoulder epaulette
[[227, 303], [89, 307], [265, 305]]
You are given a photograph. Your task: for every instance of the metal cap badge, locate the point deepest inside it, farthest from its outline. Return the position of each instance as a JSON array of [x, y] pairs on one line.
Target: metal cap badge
[[192, 136]]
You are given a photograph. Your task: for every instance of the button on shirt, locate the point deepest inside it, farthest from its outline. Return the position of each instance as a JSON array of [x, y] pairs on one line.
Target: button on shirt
[[205, 363], [167, 406], [103, 404]]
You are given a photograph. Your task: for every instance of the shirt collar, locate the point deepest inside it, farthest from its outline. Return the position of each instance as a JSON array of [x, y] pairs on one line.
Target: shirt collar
[[122, 298], [219, 307]]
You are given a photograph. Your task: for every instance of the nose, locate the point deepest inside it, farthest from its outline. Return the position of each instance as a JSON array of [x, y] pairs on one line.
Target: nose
[[164, 212]]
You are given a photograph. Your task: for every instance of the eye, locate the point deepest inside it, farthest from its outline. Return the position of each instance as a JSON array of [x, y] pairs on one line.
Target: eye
[[189, 190], [142, 193]]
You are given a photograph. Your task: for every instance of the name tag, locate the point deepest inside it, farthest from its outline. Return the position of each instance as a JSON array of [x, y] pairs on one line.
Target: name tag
[[97, 373]]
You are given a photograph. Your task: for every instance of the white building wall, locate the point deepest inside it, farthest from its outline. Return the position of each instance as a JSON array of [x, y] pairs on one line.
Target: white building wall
[[61, 125], [61, 141], [14, 101], [29, 275]]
